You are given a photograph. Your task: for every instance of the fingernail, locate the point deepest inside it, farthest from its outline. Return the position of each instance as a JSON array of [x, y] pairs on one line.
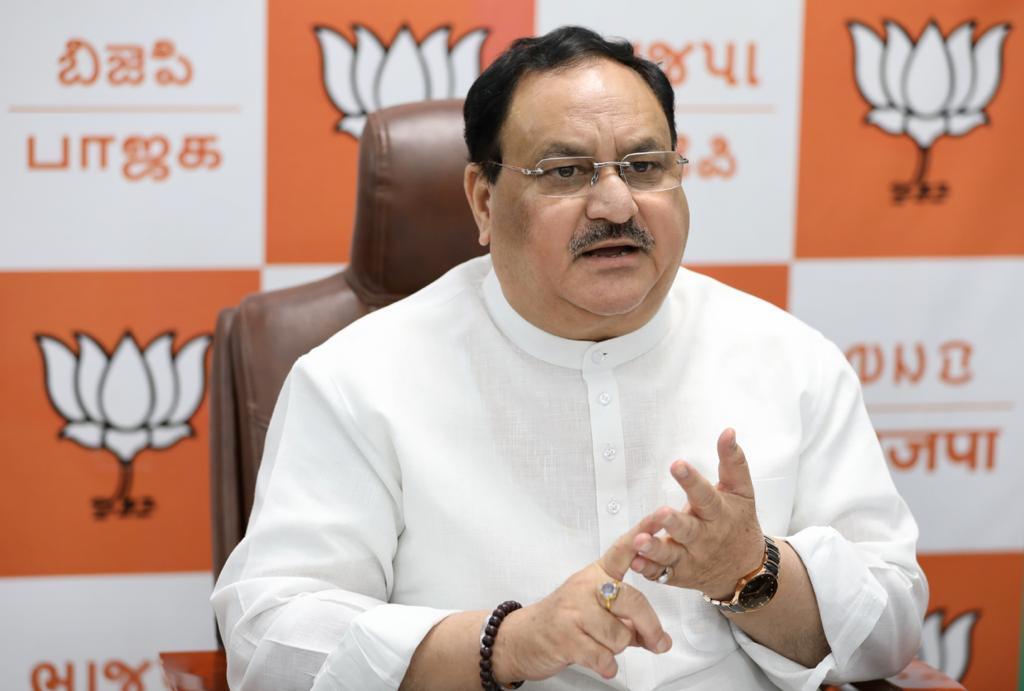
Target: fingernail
[[664, 643], [681, 470], [645, 548]]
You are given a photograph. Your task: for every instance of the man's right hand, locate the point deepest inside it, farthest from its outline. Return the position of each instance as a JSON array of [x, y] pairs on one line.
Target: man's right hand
[[571, 625]]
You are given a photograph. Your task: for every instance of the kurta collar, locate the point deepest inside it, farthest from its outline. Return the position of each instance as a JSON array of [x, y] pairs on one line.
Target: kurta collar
[[566, 352]]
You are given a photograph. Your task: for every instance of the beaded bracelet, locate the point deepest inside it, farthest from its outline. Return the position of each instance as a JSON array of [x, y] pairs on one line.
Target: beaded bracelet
[[487, 636]]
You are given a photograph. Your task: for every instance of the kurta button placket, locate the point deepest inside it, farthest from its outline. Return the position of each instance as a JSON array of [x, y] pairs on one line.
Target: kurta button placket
[[606, 441]]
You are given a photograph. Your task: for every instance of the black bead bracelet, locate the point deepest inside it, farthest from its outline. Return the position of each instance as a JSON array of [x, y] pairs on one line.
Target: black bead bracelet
[[487, 636]]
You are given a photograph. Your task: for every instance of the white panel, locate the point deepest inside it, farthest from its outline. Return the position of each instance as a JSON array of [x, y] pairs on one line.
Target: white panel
[[750, 215], [277, 276], [90, 216], [88, 621], [938, 345]]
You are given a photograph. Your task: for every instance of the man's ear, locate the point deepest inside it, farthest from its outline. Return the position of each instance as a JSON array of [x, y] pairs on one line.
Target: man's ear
[[478, 194]]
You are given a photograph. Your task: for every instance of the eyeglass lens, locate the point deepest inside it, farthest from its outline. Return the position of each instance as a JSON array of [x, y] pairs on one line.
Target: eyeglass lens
[[643, 172]]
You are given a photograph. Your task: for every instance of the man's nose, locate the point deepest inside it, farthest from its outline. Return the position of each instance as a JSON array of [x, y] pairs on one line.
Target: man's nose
[[610, 198]]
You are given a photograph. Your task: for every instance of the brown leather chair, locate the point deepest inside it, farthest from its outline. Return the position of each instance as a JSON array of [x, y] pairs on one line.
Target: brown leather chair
[[412, 224]]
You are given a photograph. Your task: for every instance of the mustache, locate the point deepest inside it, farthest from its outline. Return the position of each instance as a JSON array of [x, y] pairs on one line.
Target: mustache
[[599, 231]]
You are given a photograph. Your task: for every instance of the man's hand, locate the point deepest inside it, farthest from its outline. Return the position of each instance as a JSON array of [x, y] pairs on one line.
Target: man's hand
[[716, 539], [572, 626]]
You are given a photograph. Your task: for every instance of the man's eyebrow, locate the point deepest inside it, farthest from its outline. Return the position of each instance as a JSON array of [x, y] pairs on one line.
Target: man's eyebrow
[[559, 149], [645, 144]]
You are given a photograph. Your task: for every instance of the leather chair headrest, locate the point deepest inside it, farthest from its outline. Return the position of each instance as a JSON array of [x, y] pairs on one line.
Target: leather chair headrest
[[412, 220]]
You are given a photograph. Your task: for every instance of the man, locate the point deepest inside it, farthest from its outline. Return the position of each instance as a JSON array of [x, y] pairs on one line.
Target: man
[[509, 433]]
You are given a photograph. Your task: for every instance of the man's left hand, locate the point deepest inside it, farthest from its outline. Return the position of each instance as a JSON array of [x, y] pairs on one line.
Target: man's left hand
[[715, 539]]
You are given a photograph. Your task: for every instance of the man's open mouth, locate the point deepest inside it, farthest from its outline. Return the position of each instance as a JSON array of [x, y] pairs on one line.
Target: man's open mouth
[[611, 251]]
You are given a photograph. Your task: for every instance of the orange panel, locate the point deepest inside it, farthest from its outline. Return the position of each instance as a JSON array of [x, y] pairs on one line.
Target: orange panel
[[311, 166], [867, 192], [51, 523], [769, 281], [977, 598]]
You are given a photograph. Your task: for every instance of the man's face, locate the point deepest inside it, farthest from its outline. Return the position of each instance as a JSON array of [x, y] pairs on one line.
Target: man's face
[[560, 263]]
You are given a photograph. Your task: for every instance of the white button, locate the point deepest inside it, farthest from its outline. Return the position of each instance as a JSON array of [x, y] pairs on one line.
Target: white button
[[609, 452], [613, 507], [598, 357], [604, 398]]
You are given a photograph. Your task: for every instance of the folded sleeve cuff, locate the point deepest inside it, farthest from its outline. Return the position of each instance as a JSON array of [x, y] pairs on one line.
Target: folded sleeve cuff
[[377, 647], [850, 602]]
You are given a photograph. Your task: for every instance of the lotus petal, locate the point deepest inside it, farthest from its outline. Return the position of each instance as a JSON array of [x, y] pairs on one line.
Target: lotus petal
[[338, 59], [126, 392], [434, 52], [958, 44], [168, 435], [369, 59], [925, 131], [928, 79], [956, 645], [87, 434], [190, 366], [465, 61], [867, 68], [126, 444], [962, 123], [403, 76], [353, 124], [894, 63], [889, 119], [931, 640], [988, 67], [165, 382], [92, 363], [59, 364]]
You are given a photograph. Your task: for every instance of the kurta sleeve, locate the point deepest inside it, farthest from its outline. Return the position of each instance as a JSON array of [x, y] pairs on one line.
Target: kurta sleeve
[[856, 538], [302, 600]]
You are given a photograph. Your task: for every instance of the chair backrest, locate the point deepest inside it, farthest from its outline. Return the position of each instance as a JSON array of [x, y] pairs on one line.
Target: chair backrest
[[412, 224]]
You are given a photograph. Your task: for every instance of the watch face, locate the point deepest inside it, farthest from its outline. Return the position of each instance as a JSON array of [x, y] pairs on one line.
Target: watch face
[[759, 591]]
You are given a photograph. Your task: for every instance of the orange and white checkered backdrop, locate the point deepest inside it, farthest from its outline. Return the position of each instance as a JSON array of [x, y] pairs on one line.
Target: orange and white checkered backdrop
[[857, 163]]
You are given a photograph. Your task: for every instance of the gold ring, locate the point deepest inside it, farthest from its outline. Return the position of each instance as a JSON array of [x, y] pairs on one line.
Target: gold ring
[[609, 590]]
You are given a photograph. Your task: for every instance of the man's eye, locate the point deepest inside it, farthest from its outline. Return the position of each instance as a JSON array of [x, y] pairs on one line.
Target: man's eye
[[566, 171], [644, 166]]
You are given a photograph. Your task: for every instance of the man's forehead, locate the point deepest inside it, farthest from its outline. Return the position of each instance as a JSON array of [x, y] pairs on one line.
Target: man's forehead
[[573, 112]]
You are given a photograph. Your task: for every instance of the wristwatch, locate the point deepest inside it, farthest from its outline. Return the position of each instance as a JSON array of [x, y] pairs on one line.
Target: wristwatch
[[757, 588]]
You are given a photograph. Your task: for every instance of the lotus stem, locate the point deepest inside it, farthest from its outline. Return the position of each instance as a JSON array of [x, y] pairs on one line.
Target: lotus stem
[[922, 166], [124, 481]]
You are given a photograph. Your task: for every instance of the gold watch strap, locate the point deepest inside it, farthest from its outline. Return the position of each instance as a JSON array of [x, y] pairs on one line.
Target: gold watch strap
[[769, 562]]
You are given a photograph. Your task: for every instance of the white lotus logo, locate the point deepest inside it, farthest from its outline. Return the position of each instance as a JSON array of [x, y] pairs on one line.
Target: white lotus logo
[[927, 89], [948, 649], [126, 402], [366, 76]]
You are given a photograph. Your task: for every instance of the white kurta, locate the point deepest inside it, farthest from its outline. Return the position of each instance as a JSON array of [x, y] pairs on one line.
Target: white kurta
[[444, 454]]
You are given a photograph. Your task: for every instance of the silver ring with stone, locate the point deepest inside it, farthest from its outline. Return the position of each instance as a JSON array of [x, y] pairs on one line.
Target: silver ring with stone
[[666, 573]]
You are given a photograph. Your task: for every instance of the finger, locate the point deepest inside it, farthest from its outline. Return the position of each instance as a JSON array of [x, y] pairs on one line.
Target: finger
[[683, 528], [633, 605], [610, 631], [704, 499], [733, 471], [615, 561], [661, 550], [595, 656], [646, 568]]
